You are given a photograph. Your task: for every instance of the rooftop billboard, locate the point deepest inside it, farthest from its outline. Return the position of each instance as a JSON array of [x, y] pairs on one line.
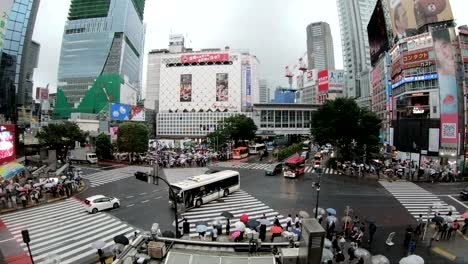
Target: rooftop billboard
[[377, 33]]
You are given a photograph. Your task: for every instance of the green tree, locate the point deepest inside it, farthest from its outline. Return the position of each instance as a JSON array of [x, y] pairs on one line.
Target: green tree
[[132, 138], [61, 137], [103, 147], [354, 131], [217, 138], [239, 127]]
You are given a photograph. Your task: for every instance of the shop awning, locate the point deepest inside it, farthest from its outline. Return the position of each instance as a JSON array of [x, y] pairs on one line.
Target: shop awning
[[9, 170]]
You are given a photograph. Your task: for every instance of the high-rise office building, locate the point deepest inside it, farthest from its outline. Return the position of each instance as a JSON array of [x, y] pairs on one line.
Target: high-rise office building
[[101, 37], [354, 16], [320, 46], [18, 58], [264, 91], [153, 72]]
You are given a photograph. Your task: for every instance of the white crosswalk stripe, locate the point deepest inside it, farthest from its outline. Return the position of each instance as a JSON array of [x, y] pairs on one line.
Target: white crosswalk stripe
[[262, 166], [64, 228], [418, 200], [103, 177], [236, 203]]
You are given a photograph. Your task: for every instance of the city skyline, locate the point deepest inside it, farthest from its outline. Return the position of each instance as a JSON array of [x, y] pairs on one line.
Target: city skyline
[[287, 37]]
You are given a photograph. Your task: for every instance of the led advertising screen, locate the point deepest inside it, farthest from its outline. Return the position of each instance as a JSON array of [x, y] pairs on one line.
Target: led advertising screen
[[448, 90], [186, 87], [137, 113], [408, 16], [210, 57], [7, 144], [119, 112], [222, 85], [377, 33], [322, 81]]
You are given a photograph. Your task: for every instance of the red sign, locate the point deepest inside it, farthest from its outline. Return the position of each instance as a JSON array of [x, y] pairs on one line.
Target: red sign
[[210, 57], [42, 93], [322, 81], [416, 57], [7, 144]]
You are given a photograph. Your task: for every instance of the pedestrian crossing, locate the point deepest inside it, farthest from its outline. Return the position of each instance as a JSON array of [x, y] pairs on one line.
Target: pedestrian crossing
[[236, 203], [64, 229], [263, 166], [103, 177], [418, 200]]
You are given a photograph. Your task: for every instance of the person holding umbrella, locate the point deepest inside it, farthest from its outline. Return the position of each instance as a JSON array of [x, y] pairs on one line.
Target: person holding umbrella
[[214, 233], [263, 225]]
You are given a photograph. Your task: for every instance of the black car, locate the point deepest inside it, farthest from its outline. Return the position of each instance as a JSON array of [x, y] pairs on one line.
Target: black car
[[274, 168], [464, 193]]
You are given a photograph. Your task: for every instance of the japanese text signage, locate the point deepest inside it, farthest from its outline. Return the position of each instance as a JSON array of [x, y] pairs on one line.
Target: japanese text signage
[[5, 8], [420, 56], [336, 79], [210, 57], [323, 81]]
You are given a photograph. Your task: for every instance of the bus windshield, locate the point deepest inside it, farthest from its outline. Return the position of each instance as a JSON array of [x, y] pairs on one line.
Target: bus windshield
[[306, 145], [294, 167]]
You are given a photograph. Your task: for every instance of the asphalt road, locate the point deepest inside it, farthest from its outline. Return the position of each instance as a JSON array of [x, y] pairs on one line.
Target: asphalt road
[[143, 204]]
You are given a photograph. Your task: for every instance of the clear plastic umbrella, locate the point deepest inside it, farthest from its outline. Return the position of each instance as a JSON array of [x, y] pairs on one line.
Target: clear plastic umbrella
[[327, 255], [362, 253], [304, 214], [412, 259], [320, 211], [239, 226], [327, 243], [379, 259], [98, 244]]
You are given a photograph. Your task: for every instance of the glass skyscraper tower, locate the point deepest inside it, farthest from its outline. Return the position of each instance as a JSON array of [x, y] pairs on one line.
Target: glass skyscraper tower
[[101, 37]]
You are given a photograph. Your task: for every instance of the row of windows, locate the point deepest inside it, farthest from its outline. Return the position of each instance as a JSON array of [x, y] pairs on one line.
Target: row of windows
[[420, 70], [75, 31], [415, 86]]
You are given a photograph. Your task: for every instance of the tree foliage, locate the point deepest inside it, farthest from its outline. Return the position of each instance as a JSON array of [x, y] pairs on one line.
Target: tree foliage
[[132, 137], [239, 127], [217, 138], [103, 147], [61, 137], [353, 130]]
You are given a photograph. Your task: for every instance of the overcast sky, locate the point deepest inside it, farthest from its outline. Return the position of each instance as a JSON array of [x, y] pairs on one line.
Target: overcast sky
[[273, 30]]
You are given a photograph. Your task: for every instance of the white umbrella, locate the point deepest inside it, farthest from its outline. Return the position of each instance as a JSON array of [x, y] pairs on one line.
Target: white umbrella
[[98, 244], [327, 243], [379, 259], [239, 226], [327, 255], [320, 210], [331, 218], [362, 253], [37, 184], [63, 177], [412, 259], [448, 219], [304, 214], [49, 185], [264, 221]]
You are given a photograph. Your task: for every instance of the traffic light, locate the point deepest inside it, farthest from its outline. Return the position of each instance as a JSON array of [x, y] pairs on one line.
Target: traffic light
[[25, 235]]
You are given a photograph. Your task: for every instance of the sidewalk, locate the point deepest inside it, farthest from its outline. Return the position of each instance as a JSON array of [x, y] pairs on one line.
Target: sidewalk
[[455, 249]]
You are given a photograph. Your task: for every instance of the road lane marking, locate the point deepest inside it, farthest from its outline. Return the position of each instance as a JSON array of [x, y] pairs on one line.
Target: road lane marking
[[159, 197], [155, 190], [444, 253], [130, 205], [145, 201], [131, 196], [142, 193], [462, 204]]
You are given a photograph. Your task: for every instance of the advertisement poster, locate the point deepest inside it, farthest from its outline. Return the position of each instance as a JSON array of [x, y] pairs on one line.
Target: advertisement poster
[[186, 87], [336, 80], [113, 133], [377, 33], [448, 94], [42, 93], [211, 57], [137, 113], [409, 15], [7, 144], [248, 86], [222, 85], [119, 112], [322, 81]]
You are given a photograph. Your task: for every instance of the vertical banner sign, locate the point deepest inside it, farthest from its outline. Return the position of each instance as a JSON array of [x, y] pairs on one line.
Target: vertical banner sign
[[186, 87], [7, 143], [5, 8], [448, 95], [222, 85], [323, 81], [248, 86]]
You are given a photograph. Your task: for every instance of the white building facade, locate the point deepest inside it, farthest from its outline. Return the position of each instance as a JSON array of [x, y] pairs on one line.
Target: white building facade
[[198, 90]]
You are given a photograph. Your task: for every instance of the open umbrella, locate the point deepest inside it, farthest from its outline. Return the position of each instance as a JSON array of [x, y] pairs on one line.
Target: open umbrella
[[276, 230], [327, 255], [201, 228], [327, 243], [98, 244], [239, 226], [235, 234], [465, 215], [63, 177], [412, 259], [168, 233], [227, 214], [37, 184], [244, 218], [331, 219], [448, 219], [331, 211], [346, 218], [252, 224], [370, 219], [49, 185], [320, 210], [121, 239], [379, 259], [362, 253], [264, 221], [304, 214], [437, 219]]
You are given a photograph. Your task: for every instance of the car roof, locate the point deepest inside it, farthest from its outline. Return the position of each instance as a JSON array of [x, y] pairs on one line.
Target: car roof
[[95, 197]]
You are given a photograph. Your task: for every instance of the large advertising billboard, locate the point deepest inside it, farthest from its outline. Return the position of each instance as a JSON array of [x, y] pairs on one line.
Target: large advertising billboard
[[42, 93], [448, 93], [322, 81], [137, 113], [377, 33], [123, 112], [336, 80], [209, 57], [408, 16], [7, 144], [222, 85], [186, 87]]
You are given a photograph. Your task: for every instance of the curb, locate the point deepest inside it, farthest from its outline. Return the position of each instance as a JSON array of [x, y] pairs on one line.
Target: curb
[[2, 212]]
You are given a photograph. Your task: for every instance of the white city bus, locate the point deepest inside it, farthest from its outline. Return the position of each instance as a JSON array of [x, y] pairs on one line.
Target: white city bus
[[202, 189], [306, 145], [257, 148]]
